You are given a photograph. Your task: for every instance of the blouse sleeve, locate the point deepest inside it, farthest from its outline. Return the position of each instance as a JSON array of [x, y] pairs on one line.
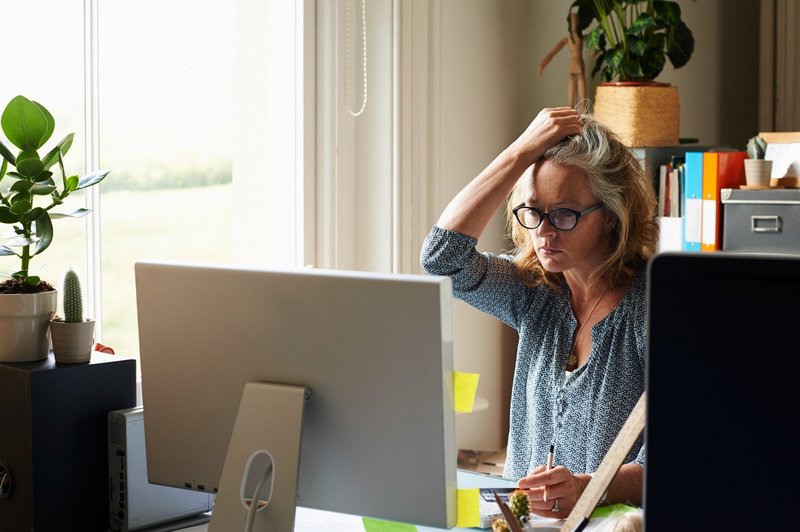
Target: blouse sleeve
[[485, 281]]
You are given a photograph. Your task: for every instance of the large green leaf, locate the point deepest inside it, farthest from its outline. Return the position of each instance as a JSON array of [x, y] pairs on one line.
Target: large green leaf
[[585, 14], [669, 12], [8, 217], [41, 189], [21, 203], [24, 123], [592, 41], [652, 63], [34, 214], [680, 45], [22, 185], [632, 69], [78, 213], [3, 168], [51, 124], [44, 231], [28, 163], [21, 242], [52, 156], [92, 179], [71, 183], [45, 176], [642, 22], [637, 46], [613, 58]]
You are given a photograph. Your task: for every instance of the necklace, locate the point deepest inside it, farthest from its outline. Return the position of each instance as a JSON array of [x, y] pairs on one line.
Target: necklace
[[572, 361]]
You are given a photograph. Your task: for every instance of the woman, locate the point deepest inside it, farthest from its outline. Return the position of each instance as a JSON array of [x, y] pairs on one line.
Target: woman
[[583, 222]]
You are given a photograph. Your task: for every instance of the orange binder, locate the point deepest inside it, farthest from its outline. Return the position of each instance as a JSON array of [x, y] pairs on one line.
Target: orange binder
[[708, 234], [720, 170]]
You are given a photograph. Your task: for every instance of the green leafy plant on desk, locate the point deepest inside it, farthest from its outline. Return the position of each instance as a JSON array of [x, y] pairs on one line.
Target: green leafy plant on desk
[[26, 178], [29, 191]]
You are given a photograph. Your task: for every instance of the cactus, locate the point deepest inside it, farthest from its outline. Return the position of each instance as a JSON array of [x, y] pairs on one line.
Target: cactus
[[500, 525], [756, 148], [73, 299], [520, 506]]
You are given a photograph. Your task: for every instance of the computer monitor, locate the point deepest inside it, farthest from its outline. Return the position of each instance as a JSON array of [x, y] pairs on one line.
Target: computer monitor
[[722, 385], [374, 350]]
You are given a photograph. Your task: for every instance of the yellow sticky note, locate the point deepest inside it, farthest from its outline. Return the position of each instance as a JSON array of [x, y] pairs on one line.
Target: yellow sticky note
[[465, 386], [379, 525], [469, 514]]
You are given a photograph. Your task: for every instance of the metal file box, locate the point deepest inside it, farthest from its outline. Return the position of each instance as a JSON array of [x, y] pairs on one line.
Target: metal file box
[[765, 221]]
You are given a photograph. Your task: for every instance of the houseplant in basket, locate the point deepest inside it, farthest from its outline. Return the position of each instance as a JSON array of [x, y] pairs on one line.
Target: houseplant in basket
[[73, 336], [29, 190], [632, 41]]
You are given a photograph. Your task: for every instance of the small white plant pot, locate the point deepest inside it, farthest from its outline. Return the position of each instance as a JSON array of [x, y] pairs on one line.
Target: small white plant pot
[[72, 342], [23, 326], [757, 172]]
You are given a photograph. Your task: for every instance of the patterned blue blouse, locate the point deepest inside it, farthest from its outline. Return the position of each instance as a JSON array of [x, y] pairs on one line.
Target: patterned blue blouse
[[589, 404]]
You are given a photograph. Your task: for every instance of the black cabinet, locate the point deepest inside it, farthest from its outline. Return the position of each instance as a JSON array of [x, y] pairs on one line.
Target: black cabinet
[[53, 441]]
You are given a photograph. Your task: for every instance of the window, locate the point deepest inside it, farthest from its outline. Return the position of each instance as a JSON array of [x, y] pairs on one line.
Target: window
[[225, 129], [51, 74], [192, 107]]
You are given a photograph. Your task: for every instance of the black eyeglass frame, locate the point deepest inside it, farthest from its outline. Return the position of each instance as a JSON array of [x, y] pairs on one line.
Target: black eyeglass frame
[[549, 215]]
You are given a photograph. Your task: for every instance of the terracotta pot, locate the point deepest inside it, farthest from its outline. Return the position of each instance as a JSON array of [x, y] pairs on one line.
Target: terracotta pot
[[24, 321]]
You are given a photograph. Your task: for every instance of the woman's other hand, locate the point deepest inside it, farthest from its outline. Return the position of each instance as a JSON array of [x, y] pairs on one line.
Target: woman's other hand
[[553, 493], [548, 128]]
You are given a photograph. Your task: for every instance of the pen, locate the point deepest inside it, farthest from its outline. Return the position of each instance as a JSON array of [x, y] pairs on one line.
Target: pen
[[549, 467]]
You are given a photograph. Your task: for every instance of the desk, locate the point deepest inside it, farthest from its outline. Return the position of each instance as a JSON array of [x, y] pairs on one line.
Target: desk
[[308, 520]]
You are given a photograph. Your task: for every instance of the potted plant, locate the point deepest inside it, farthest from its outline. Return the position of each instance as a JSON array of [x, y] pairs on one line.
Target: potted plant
[[632, 41], [73, 336], [757, 170], [27, 303]]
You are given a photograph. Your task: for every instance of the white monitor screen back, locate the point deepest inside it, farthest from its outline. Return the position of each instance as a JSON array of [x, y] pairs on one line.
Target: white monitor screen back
[[375, 349]]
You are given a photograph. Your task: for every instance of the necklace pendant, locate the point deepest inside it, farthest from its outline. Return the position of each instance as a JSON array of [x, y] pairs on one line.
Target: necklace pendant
[[572, 361]]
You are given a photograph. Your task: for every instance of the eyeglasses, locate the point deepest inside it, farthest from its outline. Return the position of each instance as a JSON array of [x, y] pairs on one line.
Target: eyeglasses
[[562, 219]]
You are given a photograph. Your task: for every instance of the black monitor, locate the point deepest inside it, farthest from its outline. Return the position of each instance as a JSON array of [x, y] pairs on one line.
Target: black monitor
[[722, 384]]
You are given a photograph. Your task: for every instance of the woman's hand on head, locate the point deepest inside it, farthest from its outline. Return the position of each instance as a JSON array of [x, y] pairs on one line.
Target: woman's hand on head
[[548, 128], [558, 483]]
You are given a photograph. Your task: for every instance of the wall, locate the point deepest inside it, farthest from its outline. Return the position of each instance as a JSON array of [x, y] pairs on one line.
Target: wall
[[490, 92]]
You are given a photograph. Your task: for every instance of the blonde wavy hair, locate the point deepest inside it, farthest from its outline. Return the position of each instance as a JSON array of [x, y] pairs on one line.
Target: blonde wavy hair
[[618, 180]]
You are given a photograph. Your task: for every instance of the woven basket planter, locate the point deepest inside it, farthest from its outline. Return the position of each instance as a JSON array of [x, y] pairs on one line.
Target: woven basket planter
[[641, 114]]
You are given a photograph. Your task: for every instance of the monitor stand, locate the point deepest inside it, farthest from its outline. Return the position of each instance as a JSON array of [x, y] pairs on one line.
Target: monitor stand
[[264, 451]]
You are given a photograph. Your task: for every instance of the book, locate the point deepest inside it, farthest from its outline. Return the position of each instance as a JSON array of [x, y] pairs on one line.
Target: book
[[676, 184], [693, 201]]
